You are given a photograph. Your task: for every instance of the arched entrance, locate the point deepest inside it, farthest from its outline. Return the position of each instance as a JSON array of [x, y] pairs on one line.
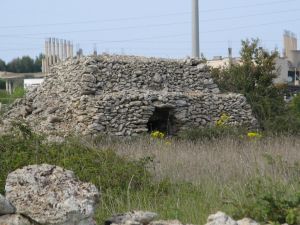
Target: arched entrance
[[162, 120]]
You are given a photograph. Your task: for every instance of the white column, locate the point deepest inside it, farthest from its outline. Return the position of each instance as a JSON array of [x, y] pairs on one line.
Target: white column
[[46, 56], [69, 49], [62, 49], [9, 87], [6, 86], [54, 51], [50, 52], [72, 53], [65, 49], [57, 51], [195, 29]]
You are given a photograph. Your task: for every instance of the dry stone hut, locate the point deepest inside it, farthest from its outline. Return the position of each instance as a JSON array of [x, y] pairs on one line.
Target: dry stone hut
[[128, 95]]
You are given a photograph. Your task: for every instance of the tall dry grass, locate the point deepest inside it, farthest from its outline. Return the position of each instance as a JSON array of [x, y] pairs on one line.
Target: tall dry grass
[[221, 160], [224, 173]]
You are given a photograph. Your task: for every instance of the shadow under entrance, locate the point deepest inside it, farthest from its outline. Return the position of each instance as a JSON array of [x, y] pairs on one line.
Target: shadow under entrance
[[162, 120]]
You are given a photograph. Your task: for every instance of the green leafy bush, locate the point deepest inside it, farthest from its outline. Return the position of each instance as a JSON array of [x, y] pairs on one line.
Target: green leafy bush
[[269, 201], [254, 79], [6, 98], [2, 83], [102, 167], [210, 133]]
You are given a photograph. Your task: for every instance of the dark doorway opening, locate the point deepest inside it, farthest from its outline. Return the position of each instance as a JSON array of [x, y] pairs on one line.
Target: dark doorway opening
[[162, 120]]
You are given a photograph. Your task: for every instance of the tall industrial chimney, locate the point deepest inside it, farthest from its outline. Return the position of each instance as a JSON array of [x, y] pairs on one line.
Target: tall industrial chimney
[[195, 29]]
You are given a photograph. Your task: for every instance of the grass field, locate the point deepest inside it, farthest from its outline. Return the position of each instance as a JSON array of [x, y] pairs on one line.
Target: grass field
[[178, 179]]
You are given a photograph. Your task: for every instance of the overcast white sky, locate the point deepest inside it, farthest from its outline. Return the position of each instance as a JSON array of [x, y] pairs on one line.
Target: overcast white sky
[[143, 27]]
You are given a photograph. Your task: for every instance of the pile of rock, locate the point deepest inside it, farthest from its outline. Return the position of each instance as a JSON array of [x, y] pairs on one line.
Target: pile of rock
[[139, 218], [127, 95], [47, 195], [221, 218], [148, 218]]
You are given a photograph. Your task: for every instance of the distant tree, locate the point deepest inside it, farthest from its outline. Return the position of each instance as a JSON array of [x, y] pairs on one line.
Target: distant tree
[[2, 84], [25, 65], [38, 63], [2, 65], [254, 79]]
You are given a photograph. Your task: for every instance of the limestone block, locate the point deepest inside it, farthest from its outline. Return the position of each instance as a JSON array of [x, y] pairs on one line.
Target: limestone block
[[51, 195], [5, 206], [14, 219], [220, 218], [247, 221], [139, 217]]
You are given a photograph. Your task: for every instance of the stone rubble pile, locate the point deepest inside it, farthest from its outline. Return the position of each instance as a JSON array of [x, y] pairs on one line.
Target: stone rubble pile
[[126, 96], [47, 195], [140, 217], [221, 218], [148, 218]]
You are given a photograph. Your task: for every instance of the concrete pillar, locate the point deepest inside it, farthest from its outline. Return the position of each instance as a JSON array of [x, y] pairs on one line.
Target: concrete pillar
[[61, 50], [54, 50], [57, 51], [43, 66], [9, 86], [50, 52], [65, 49], [195, 29], [6, 86], [46, 56], [69, 49], [72, 50]]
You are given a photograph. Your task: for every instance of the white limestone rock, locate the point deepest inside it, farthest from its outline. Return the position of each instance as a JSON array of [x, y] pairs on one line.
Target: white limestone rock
[[5, 206], [131, 217], [51, 195], [14, 219], [166, 222], [220, 218], [247, 221]]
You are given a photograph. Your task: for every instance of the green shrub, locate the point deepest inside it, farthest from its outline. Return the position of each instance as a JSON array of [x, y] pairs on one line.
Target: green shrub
[[18, 92], [267, 199], [2, 83], [210, 133], [102, 167], [6, 98], [270, 201], [254, 79]]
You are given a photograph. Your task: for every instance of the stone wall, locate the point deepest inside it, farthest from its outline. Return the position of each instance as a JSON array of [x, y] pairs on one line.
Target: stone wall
[[127, 95]]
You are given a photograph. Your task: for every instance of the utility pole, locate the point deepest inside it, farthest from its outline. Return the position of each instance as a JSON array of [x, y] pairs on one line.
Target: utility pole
[[195, 29]]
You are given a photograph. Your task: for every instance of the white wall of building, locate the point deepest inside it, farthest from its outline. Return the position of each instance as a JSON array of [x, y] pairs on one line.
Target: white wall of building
[[282, 65], [31, 83]]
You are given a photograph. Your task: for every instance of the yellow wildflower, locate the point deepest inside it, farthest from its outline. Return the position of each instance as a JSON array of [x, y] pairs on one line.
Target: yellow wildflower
[[223, 120], [157, 134], [254, 135]]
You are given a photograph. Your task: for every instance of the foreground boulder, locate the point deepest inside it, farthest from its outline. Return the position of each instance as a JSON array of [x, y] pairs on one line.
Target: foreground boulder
[[5, 206], [166, 222], [50, 195], [247, 221], [133, 217], [14, 219], [220, 218]]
